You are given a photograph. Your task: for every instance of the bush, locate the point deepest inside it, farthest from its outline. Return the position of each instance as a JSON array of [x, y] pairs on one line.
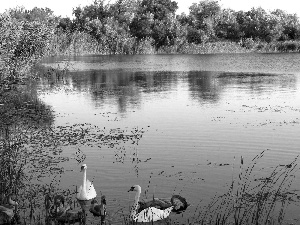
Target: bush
[[22, 44]]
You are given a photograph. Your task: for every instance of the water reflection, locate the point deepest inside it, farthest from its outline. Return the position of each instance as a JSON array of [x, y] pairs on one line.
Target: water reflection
[[204, 86], [128, 89], [259, 82]]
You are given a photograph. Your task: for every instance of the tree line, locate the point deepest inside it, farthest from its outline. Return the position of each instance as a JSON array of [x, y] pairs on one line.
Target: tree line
[[125, 26], [156, 20]]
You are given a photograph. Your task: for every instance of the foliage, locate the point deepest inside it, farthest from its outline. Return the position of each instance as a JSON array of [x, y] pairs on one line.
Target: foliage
[[44, 15], [98, 10], [22, 43], [136, 26], [227, 26], [155, 19]]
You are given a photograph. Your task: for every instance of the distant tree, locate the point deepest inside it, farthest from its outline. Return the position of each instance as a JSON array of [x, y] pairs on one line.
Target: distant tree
[[258, 24], [227, 26], [97, 10], [159, 8], [196, 36], [291, 27], [184, 19], [44, 15], [204, 11], [65, 24], [141, 25], [155, 19], [204, 17], [123, 11]]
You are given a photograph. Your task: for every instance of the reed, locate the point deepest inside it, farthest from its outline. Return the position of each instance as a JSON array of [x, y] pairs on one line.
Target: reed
[[279, 46], [212, 48], [81, 43], [253, 198]]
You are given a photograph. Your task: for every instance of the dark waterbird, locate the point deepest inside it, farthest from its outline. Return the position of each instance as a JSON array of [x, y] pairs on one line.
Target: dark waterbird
[[61, 211], [99, 210]]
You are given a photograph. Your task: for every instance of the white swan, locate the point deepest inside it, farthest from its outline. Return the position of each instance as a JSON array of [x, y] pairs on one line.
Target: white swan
[[150, 214], [86, 191]]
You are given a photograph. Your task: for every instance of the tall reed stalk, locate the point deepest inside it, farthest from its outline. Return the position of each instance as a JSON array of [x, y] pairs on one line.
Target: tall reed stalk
[[254, 198]]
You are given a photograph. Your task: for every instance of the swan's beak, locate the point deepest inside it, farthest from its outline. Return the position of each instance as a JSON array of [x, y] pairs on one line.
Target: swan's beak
[[82, 168], [131, 189]]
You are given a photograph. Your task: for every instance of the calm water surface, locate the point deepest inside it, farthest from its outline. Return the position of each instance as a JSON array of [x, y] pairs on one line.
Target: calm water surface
[[198, 113]]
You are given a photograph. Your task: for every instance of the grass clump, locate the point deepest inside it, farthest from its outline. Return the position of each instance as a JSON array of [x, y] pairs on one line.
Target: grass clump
[[253, 198]]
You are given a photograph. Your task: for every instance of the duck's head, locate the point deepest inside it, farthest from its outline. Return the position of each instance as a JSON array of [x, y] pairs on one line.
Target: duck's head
[[135, 188], [83, 167]]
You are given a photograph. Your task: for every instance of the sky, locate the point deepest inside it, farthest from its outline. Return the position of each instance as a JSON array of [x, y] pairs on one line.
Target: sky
[[64, 7]]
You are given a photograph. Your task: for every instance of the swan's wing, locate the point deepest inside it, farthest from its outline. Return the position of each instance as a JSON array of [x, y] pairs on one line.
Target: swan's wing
[[159, 203], [152, 214], [91, 192]]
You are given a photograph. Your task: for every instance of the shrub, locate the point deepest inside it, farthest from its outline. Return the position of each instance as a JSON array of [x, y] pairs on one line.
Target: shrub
[[22, 44]]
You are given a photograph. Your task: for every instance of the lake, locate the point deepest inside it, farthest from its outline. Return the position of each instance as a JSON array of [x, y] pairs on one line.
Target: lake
[[197, 116]]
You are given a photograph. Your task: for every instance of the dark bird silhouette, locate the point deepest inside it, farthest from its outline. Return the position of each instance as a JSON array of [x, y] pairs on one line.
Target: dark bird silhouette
[[99, 210]]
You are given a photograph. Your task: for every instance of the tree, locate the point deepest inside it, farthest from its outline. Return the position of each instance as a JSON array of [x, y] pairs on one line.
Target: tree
[[256, 24], [123, 11], [291, 27], [44, 15], [204, 17], [141, 26], [227, 26], [98, 10], [159, 8], [155, 19], [65, 24]]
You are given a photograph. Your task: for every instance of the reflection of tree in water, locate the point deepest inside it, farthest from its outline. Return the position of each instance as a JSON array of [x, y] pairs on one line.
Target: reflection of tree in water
[[207, 85], [123, 87], [203, 86], [259, 83]]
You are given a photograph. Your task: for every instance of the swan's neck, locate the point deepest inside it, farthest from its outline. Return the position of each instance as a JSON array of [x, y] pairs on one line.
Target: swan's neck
[[84, 180], [135, 204]]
